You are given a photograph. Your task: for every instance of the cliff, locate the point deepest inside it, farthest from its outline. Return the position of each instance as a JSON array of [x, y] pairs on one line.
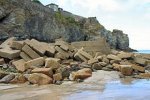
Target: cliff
[[25, 19]]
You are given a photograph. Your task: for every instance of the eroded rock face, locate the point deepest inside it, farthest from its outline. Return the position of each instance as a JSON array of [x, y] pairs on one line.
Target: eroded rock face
[[25, 19]]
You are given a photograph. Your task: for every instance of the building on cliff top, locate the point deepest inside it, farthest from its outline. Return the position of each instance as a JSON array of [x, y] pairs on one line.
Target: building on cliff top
[[53, 6]]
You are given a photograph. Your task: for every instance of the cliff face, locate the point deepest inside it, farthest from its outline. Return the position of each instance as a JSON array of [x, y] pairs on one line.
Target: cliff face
[[25, 19]]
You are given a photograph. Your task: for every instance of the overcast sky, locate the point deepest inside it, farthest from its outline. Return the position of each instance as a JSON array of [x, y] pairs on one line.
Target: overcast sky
[[131, 16]]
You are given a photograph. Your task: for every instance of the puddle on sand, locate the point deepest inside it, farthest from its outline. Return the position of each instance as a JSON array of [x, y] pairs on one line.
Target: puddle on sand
[[117, 90]]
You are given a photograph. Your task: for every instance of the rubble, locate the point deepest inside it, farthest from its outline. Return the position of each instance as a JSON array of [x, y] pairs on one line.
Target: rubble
[[29, 51], [46, 63], [39, 78]]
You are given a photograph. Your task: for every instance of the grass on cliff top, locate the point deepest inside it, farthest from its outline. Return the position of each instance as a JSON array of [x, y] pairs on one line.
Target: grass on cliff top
[[65, 20]]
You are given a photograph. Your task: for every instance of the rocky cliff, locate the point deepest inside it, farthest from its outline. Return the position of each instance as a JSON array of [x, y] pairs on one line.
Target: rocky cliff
[[25, 19]]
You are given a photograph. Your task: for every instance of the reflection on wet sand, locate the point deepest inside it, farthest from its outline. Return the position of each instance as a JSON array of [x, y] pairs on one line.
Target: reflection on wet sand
[[101, 86]]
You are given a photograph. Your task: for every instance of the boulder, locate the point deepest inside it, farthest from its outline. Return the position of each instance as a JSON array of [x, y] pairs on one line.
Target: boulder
[[9, 53], [140, 61], [144, 75], [125, 55], [138, 68], [57, 77], [40, 79], [126, 70], [7, 78], [25, 56], [113, 57], [17, 45], [36, 46], [46, 71], [19, 78], [116, 67], [81, 74], [79, 57], [52, 63], [92, 61], [38, 62], [30, 52], [63, 52], [19, 65], [85, 54], [97, 66], [62, 45], [103, 64]]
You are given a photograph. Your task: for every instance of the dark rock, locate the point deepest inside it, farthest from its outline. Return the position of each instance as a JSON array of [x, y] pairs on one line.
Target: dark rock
[[7, 78]]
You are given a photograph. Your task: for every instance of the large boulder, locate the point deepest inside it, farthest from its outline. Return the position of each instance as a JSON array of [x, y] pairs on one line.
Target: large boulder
[[39, 78], [81, 74]]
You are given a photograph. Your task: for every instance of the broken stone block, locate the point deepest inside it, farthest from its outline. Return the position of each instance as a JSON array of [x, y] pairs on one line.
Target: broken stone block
[[81, 74], [92, 61], [30, 52], [50, 50], [35, 62], [46, 71], [60, 56], [7, 78], [126, 70], [36, 46], [125, 55], [9, 53], [66, 54], [17, 45], [19, 78], [57, 77], [97, 66], [62, 45], [79, 57], [144, 75], [116, 67], [6, 44], [85, 54], [2, 61], [140, 61], [138, 68], [113, 57], [19, 65], [40, 79], [52, 63], [25, 56]]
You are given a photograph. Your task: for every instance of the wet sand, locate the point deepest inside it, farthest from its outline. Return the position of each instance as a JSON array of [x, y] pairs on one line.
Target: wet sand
[[101, 86]]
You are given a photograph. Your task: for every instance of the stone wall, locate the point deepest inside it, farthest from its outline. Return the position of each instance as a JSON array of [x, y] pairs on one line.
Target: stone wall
[[93, 47]]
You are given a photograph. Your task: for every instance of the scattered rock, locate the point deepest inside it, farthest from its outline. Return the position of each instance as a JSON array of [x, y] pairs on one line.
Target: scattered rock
[[92, 61], [7, 78], [40, 79], [57, 77], [19, 78], [46, 71], [97, 66], [29, 51], [126, 70], [52, 63], [140, 61], [25, 56], [19, 65], [113, 57], [17, 45], [138, 68], [35, 62], [81, 74], [124, 55]]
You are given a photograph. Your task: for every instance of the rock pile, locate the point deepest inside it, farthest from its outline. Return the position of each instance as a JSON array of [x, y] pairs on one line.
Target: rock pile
[[47, 63]]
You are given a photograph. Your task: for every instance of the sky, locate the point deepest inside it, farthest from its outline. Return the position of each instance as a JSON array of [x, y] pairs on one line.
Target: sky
[[131, 16]]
